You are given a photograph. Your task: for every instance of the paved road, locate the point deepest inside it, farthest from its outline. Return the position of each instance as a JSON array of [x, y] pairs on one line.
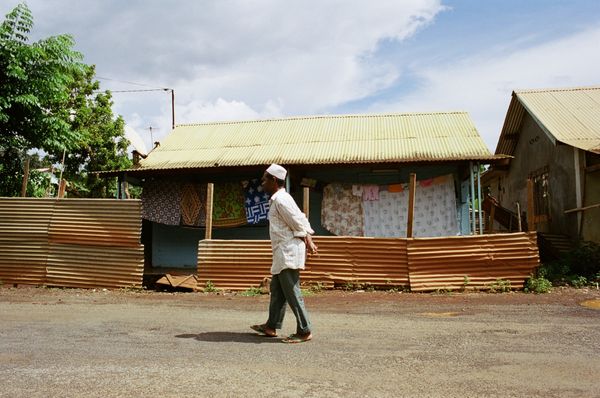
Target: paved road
[[125, 344]]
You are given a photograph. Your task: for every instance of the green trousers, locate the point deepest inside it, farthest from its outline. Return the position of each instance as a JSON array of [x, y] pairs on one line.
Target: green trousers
[[285, 289]]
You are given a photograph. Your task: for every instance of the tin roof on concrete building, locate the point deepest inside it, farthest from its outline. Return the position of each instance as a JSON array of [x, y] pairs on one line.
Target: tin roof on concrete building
[[570, 116]]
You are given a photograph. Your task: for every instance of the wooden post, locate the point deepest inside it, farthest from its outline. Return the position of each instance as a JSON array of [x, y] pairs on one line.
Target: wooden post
[[479, 210], [61, 188], [519, 217], [209, 210], [492, 214], [530, 206], [411, 204], [25, 178], [306, 199]]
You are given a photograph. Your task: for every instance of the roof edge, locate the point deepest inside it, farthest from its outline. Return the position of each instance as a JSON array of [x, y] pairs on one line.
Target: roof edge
[[337, 116]]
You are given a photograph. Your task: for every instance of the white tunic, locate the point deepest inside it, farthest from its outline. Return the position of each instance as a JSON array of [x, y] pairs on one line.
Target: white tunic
[[287, 228]]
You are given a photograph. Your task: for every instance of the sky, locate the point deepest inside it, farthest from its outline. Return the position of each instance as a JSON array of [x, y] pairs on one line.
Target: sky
[[256, 59]]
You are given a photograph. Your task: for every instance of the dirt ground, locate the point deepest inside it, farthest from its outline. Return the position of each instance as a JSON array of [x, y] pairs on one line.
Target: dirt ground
[[113, 343]]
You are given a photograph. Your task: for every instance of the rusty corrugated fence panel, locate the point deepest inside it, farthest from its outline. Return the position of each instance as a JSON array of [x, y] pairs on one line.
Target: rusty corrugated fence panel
[[241, 264], [24, 239], [424, 264], [96, 222], [87, 266], [71, 242], [380, 261], [233, 264], [96, 243], [358, 260], [446, 263]]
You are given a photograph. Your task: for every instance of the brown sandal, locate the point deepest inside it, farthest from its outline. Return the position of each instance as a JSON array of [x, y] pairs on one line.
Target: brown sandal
[[262, 329], [297, 338]]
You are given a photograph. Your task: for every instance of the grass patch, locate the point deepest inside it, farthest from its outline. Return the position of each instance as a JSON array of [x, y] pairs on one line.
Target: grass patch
[[500, 286], [251, 292], [209, 287]]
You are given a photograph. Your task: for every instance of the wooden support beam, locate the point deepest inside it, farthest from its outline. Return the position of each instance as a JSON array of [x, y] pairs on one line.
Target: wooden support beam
[[582, 208], [25, 178], [591, 169], [209, 210], [530, 206], [62, 188], [306, 200], [411, 204]]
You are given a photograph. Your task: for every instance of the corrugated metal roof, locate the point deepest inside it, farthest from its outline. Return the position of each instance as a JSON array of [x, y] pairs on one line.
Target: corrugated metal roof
[[381, 138], [570, 116]]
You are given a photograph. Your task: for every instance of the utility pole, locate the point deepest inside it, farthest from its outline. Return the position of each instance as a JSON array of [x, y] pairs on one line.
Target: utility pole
[[151, 137], [173, 108]]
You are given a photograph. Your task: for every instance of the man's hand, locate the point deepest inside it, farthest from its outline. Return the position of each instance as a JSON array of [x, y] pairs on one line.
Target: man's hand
[[311, 248]]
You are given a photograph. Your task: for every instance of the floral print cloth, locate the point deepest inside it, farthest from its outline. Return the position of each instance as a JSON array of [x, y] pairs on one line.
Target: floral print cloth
[[341, 211]]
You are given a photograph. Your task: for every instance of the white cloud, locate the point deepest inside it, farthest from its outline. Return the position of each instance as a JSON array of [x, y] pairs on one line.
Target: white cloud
[[221, 110], [482, 84]]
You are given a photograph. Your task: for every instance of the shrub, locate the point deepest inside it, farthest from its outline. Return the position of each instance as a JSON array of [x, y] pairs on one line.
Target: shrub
[[585, 260], [579, 264], [578, 281], [538, 285]]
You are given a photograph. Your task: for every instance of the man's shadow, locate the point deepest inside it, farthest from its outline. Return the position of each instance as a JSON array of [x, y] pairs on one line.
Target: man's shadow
[[231, 337]]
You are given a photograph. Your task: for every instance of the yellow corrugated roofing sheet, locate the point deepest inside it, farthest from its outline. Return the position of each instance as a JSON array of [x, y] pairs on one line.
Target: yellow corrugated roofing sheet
[[570, 115], [321, 140]]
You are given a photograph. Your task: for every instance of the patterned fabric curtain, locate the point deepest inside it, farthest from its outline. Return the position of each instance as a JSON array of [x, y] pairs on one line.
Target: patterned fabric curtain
[[434, 213], [341, 211], [257, 201], [161, 201]]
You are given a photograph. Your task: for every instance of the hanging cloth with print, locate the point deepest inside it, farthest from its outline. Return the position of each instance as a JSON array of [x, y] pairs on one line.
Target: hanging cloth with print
[[228, 205], [193, 205], [161, 201], [256, 201], [341, 210]]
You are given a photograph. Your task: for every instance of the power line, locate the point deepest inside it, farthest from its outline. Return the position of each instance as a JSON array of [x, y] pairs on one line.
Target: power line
[[132, 83], [139, 91], [145, 90]]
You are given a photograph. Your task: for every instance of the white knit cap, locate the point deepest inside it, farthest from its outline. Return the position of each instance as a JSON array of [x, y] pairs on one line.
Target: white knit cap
[[277, 171]]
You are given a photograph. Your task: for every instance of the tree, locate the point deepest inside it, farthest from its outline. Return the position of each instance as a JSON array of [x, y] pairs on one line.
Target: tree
[[48, 102], [102, 145]]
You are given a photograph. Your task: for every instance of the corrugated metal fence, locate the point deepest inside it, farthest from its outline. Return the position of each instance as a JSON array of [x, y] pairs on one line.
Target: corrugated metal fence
[[71, 242], [423, 264]]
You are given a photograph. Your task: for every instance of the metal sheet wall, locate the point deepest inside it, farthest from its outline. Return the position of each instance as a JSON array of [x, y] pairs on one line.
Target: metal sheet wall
[[24, 239], [233, 264], [459, 262], [241, 264], [424, 264], [71, 242]]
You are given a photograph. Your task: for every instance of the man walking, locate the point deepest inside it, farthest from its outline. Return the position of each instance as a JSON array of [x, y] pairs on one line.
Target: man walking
[[290, 234]]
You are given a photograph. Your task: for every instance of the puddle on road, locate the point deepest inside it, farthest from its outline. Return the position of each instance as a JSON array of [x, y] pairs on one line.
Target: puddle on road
[[439, 314], [593, 304]]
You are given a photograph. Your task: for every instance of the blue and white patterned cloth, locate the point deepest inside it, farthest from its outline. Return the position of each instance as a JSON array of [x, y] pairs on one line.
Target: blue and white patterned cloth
[[256, 201]]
